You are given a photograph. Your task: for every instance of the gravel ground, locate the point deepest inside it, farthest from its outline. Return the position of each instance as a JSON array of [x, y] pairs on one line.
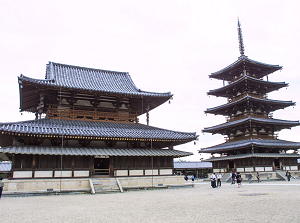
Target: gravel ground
[[257, 202]]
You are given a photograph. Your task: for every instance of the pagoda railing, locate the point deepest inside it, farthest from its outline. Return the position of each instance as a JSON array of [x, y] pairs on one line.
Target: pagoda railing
[[72, 114], [247, 114], [238, 97], [253, 136]]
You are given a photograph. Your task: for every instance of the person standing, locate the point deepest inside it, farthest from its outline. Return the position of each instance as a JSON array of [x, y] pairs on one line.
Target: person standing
[[289, 176], [250, 178], [233, 175], [213, 180], [239, 179], [1, 186], [219, 179], [258, 177]]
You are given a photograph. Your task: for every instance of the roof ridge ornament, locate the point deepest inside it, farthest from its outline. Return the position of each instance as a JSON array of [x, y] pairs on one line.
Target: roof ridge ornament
[[241, 43]]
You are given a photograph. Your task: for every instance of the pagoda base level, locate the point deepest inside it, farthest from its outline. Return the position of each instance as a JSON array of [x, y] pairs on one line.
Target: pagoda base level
[[255, 169]]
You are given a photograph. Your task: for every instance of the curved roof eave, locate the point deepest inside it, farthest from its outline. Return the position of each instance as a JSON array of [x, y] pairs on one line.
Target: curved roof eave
[[280, 84], [258, 120], [273, 143], [287, 103], [95, 129], [245, 59], [139, 93]]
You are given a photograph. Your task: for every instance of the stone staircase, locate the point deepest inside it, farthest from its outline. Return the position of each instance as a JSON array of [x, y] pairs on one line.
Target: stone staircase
[[226, 177], [104, 185], [282, 175]]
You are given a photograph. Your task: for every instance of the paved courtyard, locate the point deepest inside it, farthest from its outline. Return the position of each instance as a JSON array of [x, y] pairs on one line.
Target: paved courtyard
[[257, 202]]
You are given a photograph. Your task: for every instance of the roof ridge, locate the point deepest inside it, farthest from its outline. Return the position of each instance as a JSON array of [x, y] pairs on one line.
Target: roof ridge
[[86, 68]]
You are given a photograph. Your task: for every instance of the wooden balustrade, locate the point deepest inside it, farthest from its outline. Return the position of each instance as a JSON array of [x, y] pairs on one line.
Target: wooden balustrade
[[86, 115]]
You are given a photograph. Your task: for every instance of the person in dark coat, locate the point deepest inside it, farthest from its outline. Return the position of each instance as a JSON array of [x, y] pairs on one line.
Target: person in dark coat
[[1, 186]]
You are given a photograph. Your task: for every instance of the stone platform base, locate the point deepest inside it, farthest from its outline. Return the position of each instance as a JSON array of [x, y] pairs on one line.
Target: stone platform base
[[83, 184]]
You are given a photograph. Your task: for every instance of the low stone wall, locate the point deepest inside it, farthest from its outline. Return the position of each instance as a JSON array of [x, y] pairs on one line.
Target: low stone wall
[[150, 181], [45, 185], [82, 184]]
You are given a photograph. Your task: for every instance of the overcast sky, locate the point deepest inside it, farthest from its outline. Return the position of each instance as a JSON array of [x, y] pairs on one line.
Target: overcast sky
[[164, 45]]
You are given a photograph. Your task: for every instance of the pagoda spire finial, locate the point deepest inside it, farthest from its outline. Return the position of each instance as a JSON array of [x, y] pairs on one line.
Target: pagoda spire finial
[[241, 43]]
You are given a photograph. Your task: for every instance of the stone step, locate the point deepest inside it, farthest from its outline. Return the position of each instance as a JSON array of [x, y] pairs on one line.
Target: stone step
[[102, 185]]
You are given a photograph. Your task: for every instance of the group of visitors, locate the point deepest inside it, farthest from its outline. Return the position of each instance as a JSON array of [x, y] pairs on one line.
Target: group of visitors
[[186, 178], [236, 176], [216, 180]]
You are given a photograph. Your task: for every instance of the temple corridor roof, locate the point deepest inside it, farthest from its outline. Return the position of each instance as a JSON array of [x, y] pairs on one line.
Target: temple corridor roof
[[259, 68], [265, 143], [276, 123], [93, 129], [96, 80], [90, 151]]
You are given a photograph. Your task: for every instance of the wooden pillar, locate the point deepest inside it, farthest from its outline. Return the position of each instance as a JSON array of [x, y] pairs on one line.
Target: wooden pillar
[[111, 166], [92, 170]]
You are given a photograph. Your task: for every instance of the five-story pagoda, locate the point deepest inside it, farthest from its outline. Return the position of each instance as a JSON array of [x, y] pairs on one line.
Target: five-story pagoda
[[250, 130]]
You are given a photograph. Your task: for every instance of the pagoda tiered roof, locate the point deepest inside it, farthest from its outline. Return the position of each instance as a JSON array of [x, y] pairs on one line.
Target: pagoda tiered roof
[[276, 124], [94, 130], [252, 84], [235, 69], [249, 143], [228, 108]]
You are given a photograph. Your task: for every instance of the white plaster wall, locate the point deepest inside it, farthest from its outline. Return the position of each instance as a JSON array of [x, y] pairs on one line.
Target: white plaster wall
[[22, 174], [165, 172], [81, 173], [47, 174], [62, 173], [150, 172], [294, 168], [268, 168], [249, 169], [240, 169], [259, 169], [136, 172], [119, 173]]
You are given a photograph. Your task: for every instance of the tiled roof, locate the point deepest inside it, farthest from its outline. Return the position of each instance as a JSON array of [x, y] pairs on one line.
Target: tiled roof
[[275, 104], [90, 151], [242, 60], [250, 155], [81, 78], [266, 121], [192, 165], [264, 143], [271, 86], [93, 129]]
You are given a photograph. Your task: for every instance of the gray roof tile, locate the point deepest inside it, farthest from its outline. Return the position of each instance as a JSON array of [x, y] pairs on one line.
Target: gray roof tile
[[265, 121], [73, 77], [89, 151], [266, 143], [94, 129], [242, 60]]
